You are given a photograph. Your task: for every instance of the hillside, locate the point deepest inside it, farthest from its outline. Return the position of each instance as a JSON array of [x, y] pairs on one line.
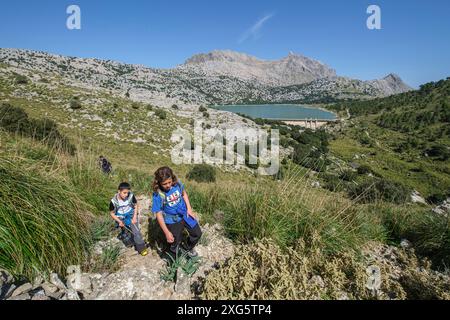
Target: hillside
[[216, 78], [405, 137]]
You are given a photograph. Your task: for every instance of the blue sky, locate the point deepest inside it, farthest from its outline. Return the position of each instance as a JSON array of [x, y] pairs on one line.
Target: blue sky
[[413, 42]]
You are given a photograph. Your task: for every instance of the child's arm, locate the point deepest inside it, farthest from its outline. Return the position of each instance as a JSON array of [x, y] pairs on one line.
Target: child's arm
[[162, 224], [115, 218], [188, 205]]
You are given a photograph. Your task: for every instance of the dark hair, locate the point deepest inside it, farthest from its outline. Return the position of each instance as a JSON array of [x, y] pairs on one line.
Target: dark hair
[[161, 175], [124, 185]]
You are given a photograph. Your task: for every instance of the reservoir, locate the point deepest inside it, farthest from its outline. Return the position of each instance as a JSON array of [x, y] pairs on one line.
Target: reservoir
[[284, 112]]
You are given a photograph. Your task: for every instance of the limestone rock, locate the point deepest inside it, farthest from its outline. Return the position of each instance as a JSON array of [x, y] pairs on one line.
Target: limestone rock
[[78, 281], [22, 289], [40, 295], [49, 288], [56, 281], [72, 295], [23, 296], [405, 244], [417, 198]]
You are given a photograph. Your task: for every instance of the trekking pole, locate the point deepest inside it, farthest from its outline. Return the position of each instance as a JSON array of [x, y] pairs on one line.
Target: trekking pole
[[128, 228]]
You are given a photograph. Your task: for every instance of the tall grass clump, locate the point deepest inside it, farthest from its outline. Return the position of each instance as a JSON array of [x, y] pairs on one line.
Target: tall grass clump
[[141, 182], [428, 232], [93, 186], [43, 222], [286, 211]]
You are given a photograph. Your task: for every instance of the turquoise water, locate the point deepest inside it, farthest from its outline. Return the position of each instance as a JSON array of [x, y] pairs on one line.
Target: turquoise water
[[279, 111]]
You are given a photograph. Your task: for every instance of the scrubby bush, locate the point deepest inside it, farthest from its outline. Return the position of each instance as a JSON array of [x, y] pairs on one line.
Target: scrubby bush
[[437, 198], [364, 169], [440, 152], [333, 182], [16, 120], [262, 270], [348, 175], [202, 173], [20, 79], [175, 107], [202, 109], [373, 190], [75, 103], [161, 114], [206, 114]]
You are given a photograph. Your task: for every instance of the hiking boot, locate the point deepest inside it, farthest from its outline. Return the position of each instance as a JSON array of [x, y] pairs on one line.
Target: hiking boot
[[190, 253], [144, 252]]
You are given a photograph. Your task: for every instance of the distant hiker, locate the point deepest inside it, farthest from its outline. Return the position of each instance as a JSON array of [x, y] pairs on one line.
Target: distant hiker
[[124, 210], [174, 212], [105, 165]]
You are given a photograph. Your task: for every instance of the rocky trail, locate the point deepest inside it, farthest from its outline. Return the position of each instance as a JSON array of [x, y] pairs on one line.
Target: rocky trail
[[138, 277]]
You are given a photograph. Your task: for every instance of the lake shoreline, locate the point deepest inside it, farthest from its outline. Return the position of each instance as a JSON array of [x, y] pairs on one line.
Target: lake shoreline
[[323, 120]]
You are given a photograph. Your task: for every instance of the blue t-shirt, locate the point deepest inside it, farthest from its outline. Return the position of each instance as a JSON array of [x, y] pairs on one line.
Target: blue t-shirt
[[174, 207]]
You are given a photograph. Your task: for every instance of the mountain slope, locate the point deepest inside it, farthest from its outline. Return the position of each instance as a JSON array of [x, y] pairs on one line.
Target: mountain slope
[[403, 137], [216, 78]]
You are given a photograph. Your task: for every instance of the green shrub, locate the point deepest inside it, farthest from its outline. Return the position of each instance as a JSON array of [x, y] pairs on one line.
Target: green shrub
[[75, 103], [20, 79], [175, 107], [333, 182], [202, 109], [437, 198], [161, 114], [348, 175], [364, 169], [440, 152], [15, 120], [202, 173], [373, 190], [206, 114]]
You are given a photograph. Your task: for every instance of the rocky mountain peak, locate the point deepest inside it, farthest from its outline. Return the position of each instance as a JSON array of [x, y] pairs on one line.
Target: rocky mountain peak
[[290, 70], [391, 84], [392, 77]]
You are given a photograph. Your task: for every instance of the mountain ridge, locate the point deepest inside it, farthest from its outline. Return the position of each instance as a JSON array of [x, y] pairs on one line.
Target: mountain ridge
[[219, 77]]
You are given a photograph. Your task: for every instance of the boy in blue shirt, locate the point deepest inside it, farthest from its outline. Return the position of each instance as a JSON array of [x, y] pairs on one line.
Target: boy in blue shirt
[[174, 212], [124, 210]]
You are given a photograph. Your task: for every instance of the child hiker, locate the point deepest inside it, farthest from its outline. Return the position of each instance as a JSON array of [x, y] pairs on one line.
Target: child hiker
[[124, 210], [174, 212]]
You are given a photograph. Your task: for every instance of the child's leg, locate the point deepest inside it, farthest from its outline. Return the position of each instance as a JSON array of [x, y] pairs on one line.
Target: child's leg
[[195, 234], [177, 230], [139, 242]]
